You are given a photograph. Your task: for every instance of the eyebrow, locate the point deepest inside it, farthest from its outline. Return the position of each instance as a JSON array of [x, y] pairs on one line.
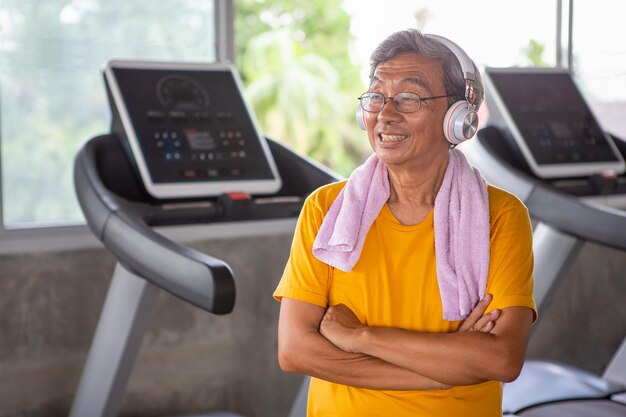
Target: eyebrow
[[417, 81]]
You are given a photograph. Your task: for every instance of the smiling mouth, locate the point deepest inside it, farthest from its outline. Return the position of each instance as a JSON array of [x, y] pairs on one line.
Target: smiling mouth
[[391, 138]]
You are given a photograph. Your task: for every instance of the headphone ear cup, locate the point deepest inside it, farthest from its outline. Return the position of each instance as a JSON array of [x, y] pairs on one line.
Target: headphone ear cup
[[460, 123], [360, 117]]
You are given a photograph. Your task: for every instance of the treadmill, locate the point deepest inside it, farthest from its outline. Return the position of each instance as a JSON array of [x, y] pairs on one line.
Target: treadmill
[[184, 148], [544, 145]]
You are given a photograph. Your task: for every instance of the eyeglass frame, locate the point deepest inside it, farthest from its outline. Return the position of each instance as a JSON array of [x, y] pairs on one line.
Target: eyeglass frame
[[393, 101]]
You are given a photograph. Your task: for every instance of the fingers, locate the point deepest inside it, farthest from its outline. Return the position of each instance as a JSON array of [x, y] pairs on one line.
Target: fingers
[[476, 313], [480, 308], [339, 313], [482, 322], [333, 310], [487, 322], [488, 327]]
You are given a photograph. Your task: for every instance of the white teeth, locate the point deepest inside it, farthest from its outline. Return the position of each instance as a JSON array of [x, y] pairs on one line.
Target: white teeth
[[391, 138]]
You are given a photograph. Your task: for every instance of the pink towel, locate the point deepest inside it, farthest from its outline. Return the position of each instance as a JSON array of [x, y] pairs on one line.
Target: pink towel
[[461, 229]]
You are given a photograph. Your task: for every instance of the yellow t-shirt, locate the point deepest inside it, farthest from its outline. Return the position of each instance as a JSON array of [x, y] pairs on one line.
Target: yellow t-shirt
[[394, 284]]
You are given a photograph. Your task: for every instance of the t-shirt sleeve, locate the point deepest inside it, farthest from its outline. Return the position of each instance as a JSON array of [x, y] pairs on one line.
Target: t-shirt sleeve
[[306, 278], [510, 279]]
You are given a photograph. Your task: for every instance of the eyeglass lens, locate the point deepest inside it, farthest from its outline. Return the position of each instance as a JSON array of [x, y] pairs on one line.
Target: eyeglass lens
[[403, 102]]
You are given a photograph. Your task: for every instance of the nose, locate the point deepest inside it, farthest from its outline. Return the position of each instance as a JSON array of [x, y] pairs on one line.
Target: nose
[[389, 112]]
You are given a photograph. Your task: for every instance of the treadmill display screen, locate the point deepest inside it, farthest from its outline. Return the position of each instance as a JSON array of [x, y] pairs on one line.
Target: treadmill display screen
[[552, 120], [190, 126]]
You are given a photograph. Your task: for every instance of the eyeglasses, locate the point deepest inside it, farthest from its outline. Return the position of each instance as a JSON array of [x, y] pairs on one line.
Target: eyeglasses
[[403, 102]]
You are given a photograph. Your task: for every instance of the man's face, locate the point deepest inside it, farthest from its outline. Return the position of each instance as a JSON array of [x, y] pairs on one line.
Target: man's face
[[398, 138]]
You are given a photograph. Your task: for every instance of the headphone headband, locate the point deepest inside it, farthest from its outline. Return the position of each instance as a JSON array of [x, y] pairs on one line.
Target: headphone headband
[[461, 121], [467, 66]]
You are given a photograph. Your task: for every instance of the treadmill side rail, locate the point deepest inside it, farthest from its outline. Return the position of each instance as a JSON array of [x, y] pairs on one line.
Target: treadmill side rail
[[554, 252], [615, 372], [123, 321]]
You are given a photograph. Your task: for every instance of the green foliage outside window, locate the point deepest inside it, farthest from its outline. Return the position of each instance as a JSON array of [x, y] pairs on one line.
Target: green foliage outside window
[[294, 58], [534, 53]]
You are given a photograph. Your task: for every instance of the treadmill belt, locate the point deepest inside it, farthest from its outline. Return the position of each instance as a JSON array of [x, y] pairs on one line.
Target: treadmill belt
[[577, 408]]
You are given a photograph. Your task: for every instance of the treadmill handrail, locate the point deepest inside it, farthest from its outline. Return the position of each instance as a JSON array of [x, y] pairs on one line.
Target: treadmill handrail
[[197, 278], [585, 220], [568, 214]]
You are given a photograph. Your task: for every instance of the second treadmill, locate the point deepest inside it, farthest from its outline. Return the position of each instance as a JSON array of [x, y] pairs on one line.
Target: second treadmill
[[544, 145]]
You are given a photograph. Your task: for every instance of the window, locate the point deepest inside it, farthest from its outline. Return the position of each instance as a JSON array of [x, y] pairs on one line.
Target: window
[[599, 60], [52, 96], [493, 33]]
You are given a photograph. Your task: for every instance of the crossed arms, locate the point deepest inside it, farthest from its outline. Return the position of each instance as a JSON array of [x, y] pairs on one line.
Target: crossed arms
[[333, 345]]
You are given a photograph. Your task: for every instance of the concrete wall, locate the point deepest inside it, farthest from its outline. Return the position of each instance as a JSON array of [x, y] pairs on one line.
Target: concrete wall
[[586, 321], [191, 361]]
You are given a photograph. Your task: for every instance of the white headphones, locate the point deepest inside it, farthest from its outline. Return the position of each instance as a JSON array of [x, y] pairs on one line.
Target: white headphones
[[461, 120]]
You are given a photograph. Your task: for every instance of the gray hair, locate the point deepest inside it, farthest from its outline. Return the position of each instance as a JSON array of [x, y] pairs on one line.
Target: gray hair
[[413, 41]]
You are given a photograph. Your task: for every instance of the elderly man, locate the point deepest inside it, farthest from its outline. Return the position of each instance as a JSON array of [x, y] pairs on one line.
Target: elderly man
[[383, 287]]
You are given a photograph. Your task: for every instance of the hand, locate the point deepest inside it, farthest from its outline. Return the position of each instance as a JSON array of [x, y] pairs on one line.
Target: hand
[[477, 321], [340, 326]]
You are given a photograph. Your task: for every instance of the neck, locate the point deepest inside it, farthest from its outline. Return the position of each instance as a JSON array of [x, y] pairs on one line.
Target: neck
[[417, 185]]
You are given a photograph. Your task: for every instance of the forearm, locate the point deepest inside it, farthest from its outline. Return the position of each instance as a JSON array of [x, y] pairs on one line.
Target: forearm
[[453, 358], [314, 355], [461, 358], [465, 357]]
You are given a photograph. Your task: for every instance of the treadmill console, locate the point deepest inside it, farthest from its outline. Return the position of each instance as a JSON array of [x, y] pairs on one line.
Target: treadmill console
[[189, 129], [550, 122]]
